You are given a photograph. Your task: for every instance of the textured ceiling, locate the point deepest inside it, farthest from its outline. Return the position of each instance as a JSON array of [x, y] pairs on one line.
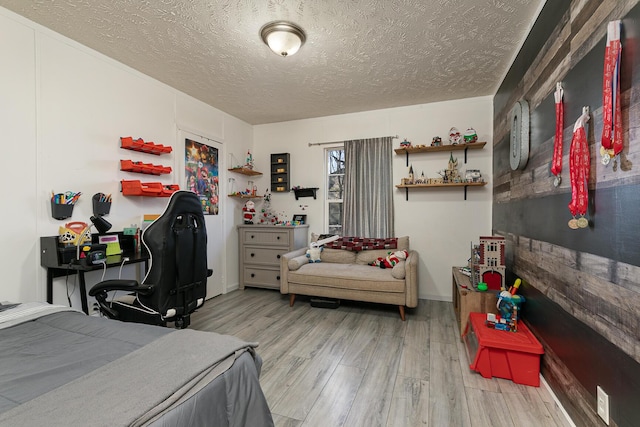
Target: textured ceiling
[[360, 54]]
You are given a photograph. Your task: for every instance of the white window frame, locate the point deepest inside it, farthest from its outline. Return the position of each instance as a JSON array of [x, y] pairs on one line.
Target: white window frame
[[328, 201]]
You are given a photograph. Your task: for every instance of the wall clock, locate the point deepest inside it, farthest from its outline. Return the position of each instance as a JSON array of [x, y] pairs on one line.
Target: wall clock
[[519, 144]]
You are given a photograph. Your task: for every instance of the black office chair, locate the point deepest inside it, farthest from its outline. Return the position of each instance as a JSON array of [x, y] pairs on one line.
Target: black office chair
[[176, 282]]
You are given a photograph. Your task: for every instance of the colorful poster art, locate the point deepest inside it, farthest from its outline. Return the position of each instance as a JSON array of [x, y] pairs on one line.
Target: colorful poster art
[[201, 171]]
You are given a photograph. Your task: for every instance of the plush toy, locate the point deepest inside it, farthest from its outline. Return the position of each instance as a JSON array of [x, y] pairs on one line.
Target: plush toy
[[390, 260], [313, 253], [248, 212]]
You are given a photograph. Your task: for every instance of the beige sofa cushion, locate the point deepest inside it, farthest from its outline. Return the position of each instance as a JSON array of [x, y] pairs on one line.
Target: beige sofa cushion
[[338, 256], [399, 271], [347, 276], [297, 262]]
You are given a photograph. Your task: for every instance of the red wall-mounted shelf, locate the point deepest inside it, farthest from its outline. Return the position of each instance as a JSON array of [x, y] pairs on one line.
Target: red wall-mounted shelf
[[146, 168], [129, 143], [150, 189]]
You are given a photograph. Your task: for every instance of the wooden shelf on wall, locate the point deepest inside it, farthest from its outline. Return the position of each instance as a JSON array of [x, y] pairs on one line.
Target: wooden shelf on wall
[[443, 185], [433, 149], [245, 196], [245, 171]]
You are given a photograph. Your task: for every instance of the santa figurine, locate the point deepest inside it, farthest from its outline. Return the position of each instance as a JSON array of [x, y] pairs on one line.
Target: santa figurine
[[248, 212], [390, 260]]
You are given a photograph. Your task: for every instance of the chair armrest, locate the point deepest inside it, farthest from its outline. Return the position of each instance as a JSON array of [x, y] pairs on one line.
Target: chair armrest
[[284, 268], [411, 279], [293, 254], [128, 285]]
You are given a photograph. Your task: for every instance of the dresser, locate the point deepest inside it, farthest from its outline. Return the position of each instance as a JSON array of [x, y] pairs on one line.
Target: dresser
[[261, 247]]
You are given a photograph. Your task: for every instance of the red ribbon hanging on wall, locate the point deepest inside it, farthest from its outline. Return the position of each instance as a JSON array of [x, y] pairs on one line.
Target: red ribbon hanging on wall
[[579, 166], [556, 165], [611, 107]]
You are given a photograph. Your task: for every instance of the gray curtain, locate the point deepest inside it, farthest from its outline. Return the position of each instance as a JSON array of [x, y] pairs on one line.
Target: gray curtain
[[368, 188]]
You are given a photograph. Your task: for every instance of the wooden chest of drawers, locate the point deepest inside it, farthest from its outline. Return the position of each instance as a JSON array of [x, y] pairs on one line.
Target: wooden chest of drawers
[[261, 247]]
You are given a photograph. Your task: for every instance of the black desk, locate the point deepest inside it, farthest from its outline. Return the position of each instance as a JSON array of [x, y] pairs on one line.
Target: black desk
[[50, 259]]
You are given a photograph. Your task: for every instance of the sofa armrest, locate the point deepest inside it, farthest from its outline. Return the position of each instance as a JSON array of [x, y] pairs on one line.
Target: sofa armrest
[[284, 268], [411, 279]]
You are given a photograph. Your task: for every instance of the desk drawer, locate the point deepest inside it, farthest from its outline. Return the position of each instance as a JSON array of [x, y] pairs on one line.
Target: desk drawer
[[266, 237], [261, 277], [263, 256]]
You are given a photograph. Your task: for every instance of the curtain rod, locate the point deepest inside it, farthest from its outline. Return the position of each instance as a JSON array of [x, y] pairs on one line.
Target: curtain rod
[[339, 142]]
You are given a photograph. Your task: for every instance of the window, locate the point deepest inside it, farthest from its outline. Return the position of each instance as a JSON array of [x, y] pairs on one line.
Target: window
[[335, 189]]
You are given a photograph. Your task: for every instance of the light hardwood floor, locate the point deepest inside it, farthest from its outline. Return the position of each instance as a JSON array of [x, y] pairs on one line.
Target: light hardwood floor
[[360, 365]]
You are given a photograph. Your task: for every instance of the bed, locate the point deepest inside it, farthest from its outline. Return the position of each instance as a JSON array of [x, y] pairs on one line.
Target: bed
[[62, 367]]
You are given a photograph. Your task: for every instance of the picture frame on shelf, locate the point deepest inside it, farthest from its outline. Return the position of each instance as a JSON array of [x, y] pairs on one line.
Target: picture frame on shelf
[[300, 218]]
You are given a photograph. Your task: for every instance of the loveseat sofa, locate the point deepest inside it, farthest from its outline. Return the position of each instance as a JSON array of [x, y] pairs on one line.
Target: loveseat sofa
[[346, 274]]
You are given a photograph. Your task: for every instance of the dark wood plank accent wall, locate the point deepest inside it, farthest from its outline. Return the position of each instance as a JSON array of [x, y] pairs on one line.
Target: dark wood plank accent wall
[[582, 286]]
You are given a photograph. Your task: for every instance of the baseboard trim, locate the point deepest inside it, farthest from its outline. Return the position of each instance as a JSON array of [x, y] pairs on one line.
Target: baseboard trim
[[557, 402]]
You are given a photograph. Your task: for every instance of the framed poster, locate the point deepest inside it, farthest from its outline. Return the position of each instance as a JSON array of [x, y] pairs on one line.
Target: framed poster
[[201, 171]]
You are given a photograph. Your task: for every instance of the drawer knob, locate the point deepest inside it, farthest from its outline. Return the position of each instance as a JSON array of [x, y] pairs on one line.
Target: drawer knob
[[253, 275], [252, 236], [277, 237], [252, 255], [278, 277], [278, 256]]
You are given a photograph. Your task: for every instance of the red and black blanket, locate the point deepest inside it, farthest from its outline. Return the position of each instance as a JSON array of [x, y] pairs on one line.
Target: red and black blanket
[[362, 243]]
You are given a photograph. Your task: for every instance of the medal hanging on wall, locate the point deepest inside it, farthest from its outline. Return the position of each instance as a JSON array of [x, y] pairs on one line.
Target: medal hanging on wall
[[556, 165], [579, 167], [612, 142]]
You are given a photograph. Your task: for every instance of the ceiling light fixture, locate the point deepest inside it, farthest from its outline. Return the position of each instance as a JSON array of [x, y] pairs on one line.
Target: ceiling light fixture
[[283, 38]]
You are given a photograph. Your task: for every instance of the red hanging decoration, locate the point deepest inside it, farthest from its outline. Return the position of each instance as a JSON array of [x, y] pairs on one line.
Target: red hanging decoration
[[579, 167], [612, 142], [556, 165]]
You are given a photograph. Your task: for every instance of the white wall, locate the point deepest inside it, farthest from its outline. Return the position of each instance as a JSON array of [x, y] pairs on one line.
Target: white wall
[[64, 110], [440, 223]]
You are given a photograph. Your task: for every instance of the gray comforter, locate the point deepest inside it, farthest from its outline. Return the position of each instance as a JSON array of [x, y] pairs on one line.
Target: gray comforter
[[68, 369]]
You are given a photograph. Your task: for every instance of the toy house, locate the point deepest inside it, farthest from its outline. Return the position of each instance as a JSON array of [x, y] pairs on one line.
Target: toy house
[[488, 263]]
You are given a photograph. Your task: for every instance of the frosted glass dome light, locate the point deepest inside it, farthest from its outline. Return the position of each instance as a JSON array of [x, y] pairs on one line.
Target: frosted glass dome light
[[283, 38]]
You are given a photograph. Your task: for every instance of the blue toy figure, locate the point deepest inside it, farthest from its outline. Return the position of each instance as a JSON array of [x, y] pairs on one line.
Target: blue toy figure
[[508, 305]]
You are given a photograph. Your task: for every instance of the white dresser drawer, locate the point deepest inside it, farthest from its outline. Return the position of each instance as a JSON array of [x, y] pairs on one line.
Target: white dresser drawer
[[263, 256], [261, 277], [265, 237]]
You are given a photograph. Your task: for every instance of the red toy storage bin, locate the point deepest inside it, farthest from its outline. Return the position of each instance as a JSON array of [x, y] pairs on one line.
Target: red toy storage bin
[[147, 168], [139, 144], [153, 189], [494, 353]]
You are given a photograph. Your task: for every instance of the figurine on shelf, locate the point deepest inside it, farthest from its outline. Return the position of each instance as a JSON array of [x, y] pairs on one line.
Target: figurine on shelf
[[470, 136], [473, 175], [436, 141], [450, 175], [249, 164], [405, 144], [411, 178], [454, 136], [248, 212]]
